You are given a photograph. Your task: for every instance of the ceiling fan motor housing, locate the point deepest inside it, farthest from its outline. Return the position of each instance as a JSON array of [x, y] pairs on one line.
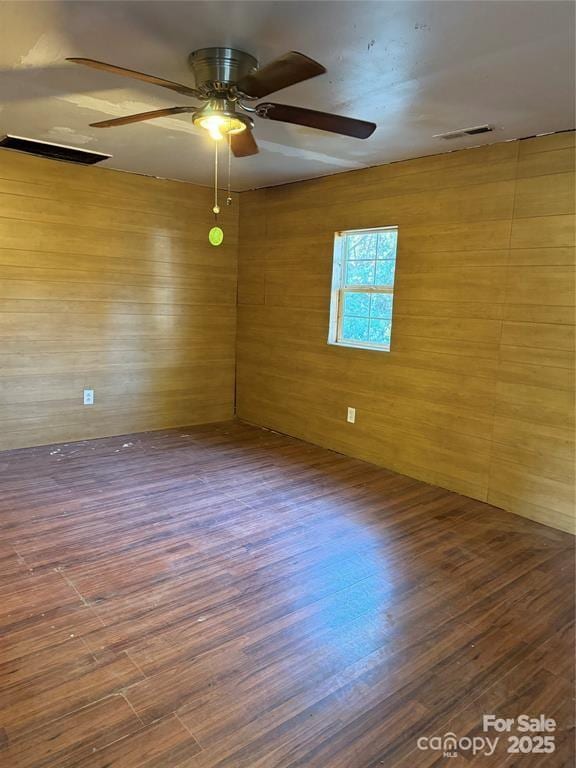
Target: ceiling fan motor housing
[[216, 69]]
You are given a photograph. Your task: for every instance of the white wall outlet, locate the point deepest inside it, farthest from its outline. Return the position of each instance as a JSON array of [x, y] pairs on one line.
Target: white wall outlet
[[88, 397], [351, 415]]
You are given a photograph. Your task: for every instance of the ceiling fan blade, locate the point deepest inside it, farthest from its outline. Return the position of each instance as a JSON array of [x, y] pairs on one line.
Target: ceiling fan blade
[[141, 116], [287, 70], [243, 144], [323, 121], [184, 90]]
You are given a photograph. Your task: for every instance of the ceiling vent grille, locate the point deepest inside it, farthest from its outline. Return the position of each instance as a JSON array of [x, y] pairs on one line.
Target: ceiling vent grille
[[54, 151], [461, 132]]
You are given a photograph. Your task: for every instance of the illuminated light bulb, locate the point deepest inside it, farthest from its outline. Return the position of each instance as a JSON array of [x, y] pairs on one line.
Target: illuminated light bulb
[[214, 124], [219, 125]]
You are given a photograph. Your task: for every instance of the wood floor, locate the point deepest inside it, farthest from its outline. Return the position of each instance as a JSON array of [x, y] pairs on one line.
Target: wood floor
[[226, 596]]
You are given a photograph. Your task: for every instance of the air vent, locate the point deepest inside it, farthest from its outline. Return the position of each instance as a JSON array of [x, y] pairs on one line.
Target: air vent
[[55, 151], [461, 132]]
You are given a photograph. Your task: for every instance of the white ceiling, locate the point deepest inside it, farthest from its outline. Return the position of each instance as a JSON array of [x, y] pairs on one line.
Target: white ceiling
[[415, 68]]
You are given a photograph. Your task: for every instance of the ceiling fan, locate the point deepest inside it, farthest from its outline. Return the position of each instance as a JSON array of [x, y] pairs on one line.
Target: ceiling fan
[[228, 81]]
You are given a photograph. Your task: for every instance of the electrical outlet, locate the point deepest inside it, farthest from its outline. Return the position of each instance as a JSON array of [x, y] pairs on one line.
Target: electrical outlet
[[88, 397], [351, 415]]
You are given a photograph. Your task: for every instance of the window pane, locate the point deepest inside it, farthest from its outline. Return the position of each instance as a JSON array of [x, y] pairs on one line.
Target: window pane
[[360, 272], [357, 304], [380, 331], [362, 246], [385, 272], [354, 328], [387, 244], [381, 305]]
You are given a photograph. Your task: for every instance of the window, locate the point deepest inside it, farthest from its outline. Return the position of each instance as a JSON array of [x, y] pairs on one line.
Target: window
[[363, 288]]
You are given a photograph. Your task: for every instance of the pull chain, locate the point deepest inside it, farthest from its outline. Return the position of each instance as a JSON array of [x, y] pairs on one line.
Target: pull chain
[[229, 195], [216, 208]]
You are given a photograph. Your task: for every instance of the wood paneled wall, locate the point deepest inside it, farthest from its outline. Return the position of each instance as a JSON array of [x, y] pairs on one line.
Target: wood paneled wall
[[107, 281], [477, 393]]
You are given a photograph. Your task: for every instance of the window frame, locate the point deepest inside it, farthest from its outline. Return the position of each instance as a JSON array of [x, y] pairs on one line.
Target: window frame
[[339, 290]]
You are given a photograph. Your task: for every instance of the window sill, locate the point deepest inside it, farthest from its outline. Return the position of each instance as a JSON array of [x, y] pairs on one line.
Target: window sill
[[370, 347]]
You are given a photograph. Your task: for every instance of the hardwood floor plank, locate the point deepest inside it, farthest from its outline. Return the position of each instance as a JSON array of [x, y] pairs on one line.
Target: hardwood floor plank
[[163, 743], [67, 740], [61, 690]]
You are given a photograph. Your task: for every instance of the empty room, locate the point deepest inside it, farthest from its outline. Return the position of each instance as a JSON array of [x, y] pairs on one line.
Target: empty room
[[287, 383]]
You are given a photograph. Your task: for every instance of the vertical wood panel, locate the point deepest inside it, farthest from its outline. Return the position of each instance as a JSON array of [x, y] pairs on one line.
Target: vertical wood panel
[[107, 281], [477, 392]]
